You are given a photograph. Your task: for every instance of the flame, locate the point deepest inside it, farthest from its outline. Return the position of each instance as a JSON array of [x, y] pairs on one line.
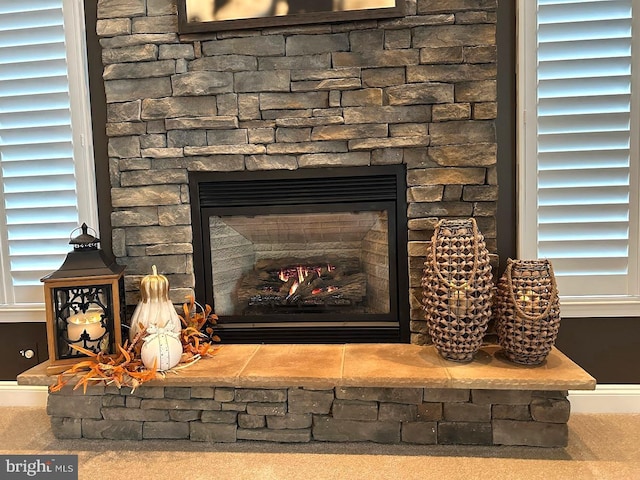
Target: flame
[[300, 273]]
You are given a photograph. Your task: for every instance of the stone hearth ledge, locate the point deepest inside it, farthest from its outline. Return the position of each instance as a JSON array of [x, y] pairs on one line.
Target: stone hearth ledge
[[383, 393], [362, 365]]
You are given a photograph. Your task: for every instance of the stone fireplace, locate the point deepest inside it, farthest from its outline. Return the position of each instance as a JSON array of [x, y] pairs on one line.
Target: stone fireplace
[[417, 92], [193, 118]]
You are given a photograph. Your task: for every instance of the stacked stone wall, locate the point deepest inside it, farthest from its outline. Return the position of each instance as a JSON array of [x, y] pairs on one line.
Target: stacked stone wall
[[419, 90], [298, 415]]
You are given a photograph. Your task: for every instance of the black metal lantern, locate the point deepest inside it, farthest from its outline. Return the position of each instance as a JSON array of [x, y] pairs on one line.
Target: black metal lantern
[[82, 301]]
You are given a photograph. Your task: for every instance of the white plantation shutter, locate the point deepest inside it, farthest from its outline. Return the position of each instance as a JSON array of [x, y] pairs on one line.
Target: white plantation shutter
[[580, 163], [45, 157]]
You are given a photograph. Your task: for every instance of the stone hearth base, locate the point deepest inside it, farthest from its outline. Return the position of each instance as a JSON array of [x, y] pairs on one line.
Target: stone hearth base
[[331, 393]]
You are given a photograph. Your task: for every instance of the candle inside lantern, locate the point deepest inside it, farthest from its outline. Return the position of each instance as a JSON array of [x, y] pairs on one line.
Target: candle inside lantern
[[459, 302], [529, 300], [88, 322]]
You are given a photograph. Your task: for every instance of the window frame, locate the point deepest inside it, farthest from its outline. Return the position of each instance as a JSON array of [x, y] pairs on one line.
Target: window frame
[[83, 155], [526, 169]]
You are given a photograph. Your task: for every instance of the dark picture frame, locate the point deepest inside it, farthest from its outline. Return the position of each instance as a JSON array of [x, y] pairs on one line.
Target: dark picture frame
[[298, 12]]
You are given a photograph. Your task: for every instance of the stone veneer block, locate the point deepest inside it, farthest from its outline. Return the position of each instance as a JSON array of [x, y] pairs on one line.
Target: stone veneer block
[[165, 430], [354, 410], [329, 429], [202, 392], [533, 434], [213, 432], [550, 410], [260, 395], [429, 411], [282, 436], [411, 396], [397, 412], [212, 416], [446, 395], [182, 393], [290, 421], [503, 397], [511, 412], [135, 414], [467, 412], [258, 409], [464, 433], [310, 401], [251, 421], [288, 365], [375, 365], [75, 407], [185, 415], [65, 427], [149, 392], [424, 433], [111, 429]]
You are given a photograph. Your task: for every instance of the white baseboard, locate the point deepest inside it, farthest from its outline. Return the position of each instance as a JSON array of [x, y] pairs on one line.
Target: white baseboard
[[14, 395], [606, 399]]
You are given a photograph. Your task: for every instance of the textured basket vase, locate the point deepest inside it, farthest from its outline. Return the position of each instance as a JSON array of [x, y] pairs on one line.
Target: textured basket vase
[[457, 287], [527, 311]]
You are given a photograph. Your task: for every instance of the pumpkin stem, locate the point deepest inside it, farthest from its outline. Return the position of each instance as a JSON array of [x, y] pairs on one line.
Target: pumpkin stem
[[154, 270]]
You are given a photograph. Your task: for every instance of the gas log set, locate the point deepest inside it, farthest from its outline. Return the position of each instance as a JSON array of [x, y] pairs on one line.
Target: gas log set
[[290, 285]]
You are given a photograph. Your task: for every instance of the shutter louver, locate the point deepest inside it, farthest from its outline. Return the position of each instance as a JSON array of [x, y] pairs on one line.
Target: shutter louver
[[584, 142], [36, 149]]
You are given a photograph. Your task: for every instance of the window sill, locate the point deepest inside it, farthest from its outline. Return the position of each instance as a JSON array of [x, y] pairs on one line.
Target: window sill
[[594, 307], [22, 314]]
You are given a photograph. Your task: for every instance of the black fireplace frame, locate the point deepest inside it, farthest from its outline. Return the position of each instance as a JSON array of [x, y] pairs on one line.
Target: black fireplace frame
[[337, 189]]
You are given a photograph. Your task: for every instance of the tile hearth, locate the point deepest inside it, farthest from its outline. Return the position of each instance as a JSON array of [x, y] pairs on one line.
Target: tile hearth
[[385, 393]]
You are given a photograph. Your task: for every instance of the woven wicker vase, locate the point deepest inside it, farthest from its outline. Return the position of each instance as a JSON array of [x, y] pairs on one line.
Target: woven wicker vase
[[527, 311], [457, 289]]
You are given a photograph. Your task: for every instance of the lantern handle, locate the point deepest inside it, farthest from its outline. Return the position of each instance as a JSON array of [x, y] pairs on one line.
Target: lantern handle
[[85, 238]]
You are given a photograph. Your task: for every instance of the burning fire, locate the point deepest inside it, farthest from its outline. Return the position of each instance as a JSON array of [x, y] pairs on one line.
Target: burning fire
[[300, 273]]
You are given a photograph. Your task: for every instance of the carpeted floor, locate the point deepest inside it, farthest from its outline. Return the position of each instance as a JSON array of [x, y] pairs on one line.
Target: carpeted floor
[[600, 447]]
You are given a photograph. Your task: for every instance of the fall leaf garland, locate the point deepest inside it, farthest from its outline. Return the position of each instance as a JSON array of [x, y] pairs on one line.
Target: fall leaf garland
[[197, 330], [125, 369]]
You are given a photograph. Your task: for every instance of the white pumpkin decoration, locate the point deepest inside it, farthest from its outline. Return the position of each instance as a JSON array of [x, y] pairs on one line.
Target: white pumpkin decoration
[[155, 308], [161, 348]]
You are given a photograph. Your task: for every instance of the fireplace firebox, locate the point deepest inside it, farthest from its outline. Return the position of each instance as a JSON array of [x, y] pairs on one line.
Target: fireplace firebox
[[303, 256]]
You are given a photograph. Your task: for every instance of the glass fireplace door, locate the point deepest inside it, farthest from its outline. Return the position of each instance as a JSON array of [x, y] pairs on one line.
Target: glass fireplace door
[[303, 257]]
